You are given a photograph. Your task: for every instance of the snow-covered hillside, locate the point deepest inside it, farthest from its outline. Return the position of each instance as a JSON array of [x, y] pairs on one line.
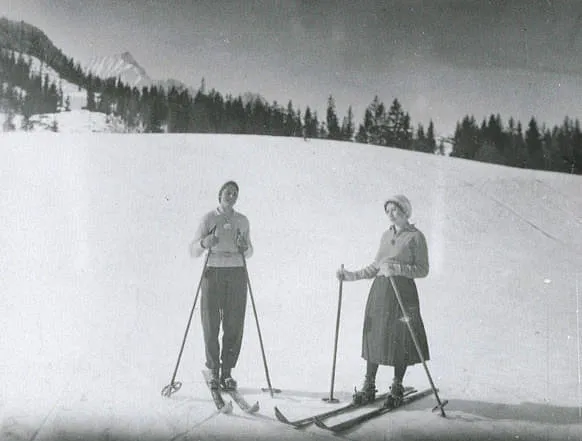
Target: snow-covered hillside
[[77, 119], [97, 285], [77, 95]]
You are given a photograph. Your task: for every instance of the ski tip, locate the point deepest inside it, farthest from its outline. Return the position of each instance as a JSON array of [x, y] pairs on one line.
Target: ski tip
[[254, 408], [280, 416]]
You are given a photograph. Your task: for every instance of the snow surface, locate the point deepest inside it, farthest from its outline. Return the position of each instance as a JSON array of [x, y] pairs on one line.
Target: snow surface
[[97, 286], [74, 121]]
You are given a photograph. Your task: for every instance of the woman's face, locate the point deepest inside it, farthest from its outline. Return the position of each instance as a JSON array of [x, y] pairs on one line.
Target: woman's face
[[229, 196], [395, 214]]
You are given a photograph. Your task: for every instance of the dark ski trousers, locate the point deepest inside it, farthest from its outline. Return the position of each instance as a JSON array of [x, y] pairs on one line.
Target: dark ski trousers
[[224, 299]]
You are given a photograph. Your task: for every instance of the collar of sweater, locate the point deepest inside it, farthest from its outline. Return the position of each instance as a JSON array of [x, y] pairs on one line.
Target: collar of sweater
[[407, 227], [220, 210]]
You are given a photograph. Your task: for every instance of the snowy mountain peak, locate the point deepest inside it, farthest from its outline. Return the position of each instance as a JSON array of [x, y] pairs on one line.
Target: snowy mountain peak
[[128, 58], [123, 66]]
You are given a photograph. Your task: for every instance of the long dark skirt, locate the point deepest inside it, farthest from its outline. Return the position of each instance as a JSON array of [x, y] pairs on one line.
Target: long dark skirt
[[386, 338]]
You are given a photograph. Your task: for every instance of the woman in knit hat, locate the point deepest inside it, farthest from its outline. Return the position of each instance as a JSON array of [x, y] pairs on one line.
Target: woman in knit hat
[[386, 339], [225, 234]]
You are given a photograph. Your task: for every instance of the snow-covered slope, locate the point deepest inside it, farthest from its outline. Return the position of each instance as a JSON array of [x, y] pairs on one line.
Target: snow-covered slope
[[75, 121], [97, 286], [78, 119], [76, 94]]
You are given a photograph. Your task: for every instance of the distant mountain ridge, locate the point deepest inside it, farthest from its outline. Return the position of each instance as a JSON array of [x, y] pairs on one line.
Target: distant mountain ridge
[[85, 100], [28, 39]]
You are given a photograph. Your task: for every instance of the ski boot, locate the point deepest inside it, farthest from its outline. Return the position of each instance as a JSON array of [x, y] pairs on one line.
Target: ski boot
[[367, 394], [394, 398], [226, 380], [214, 382], [228, 383]]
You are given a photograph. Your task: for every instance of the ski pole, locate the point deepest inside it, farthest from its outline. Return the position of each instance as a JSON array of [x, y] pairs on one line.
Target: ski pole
[[258, 327], [174, 385], [417, 345], [331, 399]]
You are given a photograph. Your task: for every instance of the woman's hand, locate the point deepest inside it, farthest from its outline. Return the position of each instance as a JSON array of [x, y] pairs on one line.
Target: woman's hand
[[209, 241], [343, 274], [241, 243]]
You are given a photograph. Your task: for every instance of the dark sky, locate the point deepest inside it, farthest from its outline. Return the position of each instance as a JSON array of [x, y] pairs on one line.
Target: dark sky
[[441, 59]]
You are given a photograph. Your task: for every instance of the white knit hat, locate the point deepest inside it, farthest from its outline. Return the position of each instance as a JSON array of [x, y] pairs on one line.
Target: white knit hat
[[402, 202]]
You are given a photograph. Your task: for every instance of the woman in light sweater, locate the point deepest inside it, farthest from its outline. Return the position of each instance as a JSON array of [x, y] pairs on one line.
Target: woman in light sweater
[[386, 339], [225, 234]]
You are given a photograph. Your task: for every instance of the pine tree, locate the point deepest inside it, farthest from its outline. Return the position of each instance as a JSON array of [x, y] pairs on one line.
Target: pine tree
[[53, 98], [173, 110], [511, 145], [347, 130], [299, 129], [333, 128], [521, 148], [566, 147], [396, 129], [549, 149], [492, 132], [310, 123], [91, 105], [290, 121], [27, 112], [322, 132], [364, 130], [466, 140], [200, 118], [377, 111], [533, 141], [44, 97], [276, 120], [430, 139], [576, 161], [420, 143], [157, 115], [60, 95], [405, 134]]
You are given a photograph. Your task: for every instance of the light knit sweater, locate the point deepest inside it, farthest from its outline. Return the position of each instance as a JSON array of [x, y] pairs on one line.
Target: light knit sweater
[[402, 253], [225, 253]]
